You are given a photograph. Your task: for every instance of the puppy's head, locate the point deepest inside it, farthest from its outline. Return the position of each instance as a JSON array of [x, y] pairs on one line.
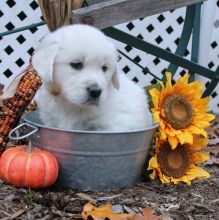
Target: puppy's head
[[80, 61]]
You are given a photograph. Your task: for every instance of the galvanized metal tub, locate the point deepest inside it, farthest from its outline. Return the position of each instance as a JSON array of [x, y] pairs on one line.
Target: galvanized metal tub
[[91, 160]]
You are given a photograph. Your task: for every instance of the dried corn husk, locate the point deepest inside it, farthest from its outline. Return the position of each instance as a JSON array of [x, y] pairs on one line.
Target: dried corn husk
[[56, 13], [12, 108]]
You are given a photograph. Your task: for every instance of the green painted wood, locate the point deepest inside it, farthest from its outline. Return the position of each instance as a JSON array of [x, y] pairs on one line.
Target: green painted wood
[[159, 52], [184, 39], [28, 27], [195, 38], [212, 85]]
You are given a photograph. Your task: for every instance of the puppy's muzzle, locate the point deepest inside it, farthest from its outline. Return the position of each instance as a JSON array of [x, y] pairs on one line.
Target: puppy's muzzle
[[94, 92]]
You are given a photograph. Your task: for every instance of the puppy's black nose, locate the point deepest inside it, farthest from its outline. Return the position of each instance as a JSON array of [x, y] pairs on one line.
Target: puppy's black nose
[[94, 92]]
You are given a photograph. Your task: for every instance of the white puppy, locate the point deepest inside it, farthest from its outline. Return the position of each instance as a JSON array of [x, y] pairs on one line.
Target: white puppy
[[82, 86]]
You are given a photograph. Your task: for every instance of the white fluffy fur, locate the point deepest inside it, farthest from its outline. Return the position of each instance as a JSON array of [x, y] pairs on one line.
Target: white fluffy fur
[[63, 98]]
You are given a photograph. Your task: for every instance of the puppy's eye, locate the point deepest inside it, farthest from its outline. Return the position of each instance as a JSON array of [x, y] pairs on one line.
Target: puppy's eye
[[77, 65], [104, 68]]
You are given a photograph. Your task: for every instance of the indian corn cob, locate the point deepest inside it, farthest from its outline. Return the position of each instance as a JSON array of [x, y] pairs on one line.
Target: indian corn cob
[[13, 108]]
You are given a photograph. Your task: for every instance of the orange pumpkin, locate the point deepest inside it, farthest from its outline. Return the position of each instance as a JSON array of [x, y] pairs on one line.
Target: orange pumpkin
[[26, 166]]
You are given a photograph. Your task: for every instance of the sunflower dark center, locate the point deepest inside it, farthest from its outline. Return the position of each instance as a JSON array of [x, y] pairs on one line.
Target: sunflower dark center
[[173, 163], [178, 111]]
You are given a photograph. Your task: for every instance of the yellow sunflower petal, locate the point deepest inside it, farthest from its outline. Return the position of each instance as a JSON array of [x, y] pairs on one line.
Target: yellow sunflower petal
[[171, 131], [195, 172], [163, 134], [153, 175], [163, 125], [201, 106], [173, 141], [192, 91], [162, 113], [153, 164], [169, 86], [199, 157], [200, 119], [181, 83], [185, 137], [199, 142], [156, 115], [164, 179], [155, 96], [167, 89], [183, 80], [162, 85], [196, 130], [183, 179], [192, 172], [203, 120], [197, 87]]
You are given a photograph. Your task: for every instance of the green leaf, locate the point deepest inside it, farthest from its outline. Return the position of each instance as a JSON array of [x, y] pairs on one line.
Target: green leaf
[[147, 89]]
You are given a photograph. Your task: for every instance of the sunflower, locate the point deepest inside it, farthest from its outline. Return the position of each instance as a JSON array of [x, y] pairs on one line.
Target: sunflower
[[180, 110], [179, 165]]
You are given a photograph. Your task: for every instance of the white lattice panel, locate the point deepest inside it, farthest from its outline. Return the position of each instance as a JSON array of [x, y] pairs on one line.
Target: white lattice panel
[[163, 30], [15, 49]]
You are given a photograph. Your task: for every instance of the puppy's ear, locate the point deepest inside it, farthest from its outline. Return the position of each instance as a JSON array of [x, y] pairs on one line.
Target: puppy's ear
[[115, 78], [43, 60]]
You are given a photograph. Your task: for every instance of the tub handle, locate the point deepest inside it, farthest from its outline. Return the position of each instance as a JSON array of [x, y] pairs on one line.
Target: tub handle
[[16, 137]]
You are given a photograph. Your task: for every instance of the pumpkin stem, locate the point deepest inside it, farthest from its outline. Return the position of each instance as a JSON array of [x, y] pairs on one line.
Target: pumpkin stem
[[30, 147]]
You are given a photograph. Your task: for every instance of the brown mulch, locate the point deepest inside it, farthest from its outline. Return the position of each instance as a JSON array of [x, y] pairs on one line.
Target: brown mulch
[[179, 202], [199, 201]]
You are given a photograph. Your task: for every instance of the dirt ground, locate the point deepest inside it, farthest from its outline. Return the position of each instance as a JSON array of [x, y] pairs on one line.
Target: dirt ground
[[199, 201], [179, 202]]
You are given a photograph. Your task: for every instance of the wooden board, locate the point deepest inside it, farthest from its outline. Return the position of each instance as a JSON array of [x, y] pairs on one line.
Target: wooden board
[[113, 12], [92, 2]]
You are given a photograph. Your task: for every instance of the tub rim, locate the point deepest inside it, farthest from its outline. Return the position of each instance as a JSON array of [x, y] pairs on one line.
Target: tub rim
[[39, 125]]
